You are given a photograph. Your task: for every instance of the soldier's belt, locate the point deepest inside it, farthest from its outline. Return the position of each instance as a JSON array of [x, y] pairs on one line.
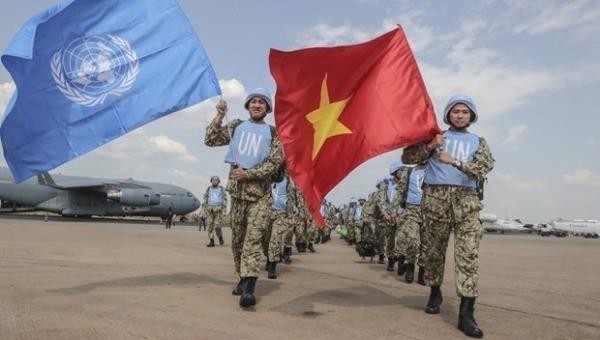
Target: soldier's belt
[[450, 187]]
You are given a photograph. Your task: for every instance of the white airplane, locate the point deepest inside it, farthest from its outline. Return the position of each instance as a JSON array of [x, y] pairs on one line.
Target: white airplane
[[586, 228], [491, 222]]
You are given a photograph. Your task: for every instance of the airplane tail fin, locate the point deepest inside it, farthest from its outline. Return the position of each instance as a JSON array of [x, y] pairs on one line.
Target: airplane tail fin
[[45, 179]]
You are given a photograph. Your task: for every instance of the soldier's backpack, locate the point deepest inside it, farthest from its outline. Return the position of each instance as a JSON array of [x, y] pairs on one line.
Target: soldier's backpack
[[367, 247]]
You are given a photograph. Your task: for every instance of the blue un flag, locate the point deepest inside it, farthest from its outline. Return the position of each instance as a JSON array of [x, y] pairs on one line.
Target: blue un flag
[[89, 71]]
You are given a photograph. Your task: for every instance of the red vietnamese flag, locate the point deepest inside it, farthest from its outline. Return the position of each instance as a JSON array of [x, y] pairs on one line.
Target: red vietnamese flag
[[337, 107]]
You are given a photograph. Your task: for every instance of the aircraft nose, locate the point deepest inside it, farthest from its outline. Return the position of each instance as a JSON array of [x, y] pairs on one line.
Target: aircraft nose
[[196, 203]]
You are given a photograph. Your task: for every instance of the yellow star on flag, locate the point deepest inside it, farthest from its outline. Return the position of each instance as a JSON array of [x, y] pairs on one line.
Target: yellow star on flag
[[325, 119]]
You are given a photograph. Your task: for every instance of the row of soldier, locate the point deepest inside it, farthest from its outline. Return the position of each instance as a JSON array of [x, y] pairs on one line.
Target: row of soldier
[[408, 219], [388, 223], [289, 221]]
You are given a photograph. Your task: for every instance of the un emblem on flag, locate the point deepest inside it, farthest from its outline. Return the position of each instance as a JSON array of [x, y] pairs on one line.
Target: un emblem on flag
[[92, 68]]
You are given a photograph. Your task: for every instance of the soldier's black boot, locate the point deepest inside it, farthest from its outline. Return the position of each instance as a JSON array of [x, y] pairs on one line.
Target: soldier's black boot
[[391, 263], [381, 259], [287, 255], [239, 289], [267, 265], [311, 248], [247, 299], [421, 276], [221, 241], [410, 273], [401, 265], [211, 243], [435, 300], [466, 321], [272, 270]]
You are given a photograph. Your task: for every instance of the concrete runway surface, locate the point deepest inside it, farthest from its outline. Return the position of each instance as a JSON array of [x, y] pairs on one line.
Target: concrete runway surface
[[110, 280]]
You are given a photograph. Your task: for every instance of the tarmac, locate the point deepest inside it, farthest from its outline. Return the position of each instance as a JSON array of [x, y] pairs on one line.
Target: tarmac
[[99, 279]]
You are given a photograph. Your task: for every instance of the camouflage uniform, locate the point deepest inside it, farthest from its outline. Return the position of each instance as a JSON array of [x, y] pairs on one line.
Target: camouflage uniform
[[214, 215], [371, 217], [382, 227], [297, 221], [408, 240], [392, 231], [330, 220], [250, 201], [353, 224], [457, 208], [283, 222], [346, 220], [410, 224], [310, 231], [280, 223]]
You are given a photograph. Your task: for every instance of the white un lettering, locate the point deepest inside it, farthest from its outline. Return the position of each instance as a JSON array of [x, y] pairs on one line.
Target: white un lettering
[[249, 144], [458, 149]]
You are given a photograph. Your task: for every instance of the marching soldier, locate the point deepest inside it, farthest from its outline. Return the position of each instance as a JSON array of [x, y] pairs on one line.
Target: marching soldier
[[215, 206], [408, 238], [350, 225], [299, 210], [398, 172], [255, 155], [372, 215], [457, 161], [286, 197]]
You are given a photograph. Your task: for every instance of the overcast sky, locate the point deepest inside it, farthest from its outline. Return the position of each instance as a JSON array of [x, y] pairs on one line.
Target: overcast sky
[[532, 66]]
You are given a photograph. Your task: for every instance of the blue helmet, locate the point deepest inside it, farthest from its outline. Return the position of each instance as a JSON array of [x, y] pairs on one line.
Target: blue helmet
[[460, 99], [261, 93]]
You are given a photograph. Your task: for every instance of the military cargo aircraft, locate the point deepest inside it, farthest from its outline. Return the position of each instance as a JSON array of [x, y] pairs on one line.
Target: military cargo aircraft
[[491, 222], [561, 228], [85, 196]]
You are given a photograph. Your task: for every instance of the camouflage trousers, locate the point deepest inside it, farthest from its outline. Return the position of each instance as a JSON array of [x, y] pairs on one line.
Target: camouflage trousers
[[380, 234], [299, 229], [310, 233], [304, 230], [408, 236], [288, 236], [325, 231], [249, 221], [358, 232], [214, 219], [353, 227], [280, 226], [390, 238], [445, 209]]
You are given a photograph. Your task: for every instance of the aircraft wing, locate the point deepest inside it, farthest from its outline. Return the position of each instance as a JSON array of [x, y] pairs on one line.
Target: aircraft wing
[[97, 184]]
